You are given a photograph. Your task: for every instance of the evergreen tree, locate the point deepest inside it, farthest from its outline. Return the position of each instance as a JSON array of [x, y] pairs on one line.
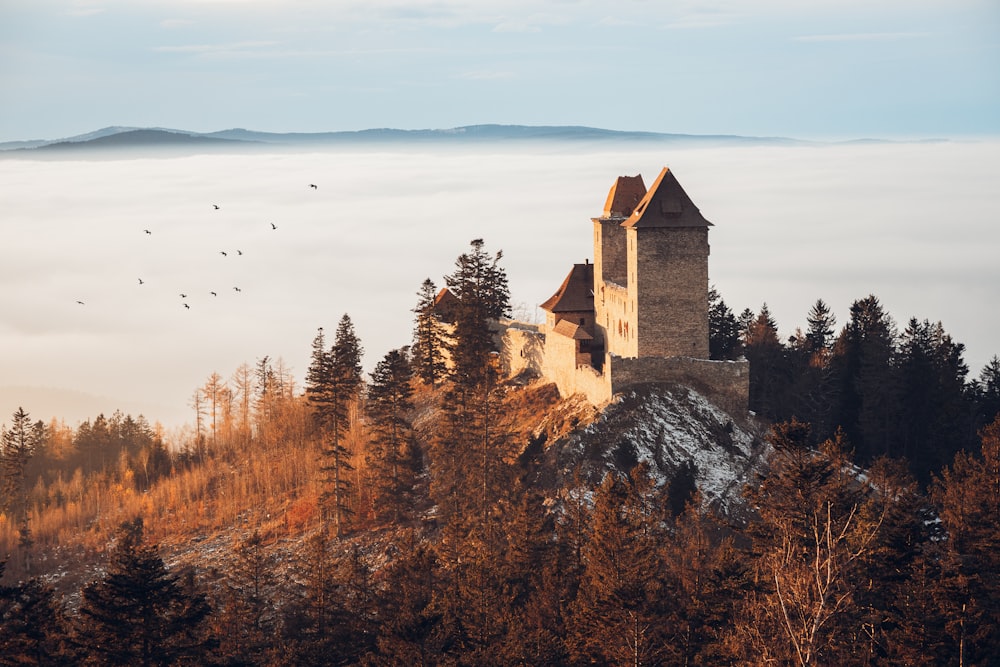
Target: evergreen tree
[[967, 587], [323, 628], [986, 393], [864, 396], [392, 455], [139, 613], [623, 611], [333, 382], [247, 624], [819, 336], [480, 284], [33, 629], [768, 371], [409, 631], [723, 328], [934, 420], [17, 446], [429, 338]]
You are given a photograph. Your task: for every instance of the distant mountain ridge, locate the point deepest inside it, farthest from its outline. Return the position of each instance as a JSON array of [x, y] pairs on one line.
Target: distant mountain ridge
[[128, 137]]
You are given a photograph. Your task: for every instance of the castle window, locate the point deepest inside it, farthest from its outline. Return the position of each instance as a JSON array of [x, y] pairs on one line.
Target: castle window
[[583, 321]]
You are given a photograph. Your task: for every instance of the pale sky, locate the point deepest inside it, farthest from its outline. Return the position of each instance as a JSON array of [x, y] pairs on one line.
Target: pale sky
[[822, 69]]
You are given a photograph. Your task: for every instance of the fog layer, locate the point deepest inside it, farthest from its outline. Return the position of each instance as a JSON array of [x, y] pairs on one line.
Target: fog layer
[[914, 224]]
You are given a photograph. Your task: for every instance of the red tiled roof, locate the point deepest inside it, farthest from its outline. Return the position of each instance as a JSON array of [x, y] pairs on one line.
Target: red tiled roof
[[445, 304], [576, 294], [623, 196], [666, 205]]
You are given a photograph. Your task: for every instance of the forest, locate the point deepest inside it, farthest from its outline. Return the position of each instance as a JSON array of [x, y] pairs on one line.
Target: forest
[[410, 518]]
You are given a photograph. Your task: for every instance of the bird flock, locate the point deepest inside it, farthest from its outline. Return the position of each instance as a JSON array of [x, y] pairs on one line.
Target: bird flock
[[237, 290]]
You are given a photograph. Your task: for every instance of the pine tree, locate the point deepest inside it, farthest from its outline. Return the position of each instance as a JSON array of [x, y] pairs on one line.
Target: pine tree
[[392, 454], [429, 338], [622, 613], [480, 284], [768, 368], [864, 396], [139, 613], [934, 421], [819, 335], [333, 382], [33, 629], [967, 589], [723, 328], [247, 625], [17, 446]]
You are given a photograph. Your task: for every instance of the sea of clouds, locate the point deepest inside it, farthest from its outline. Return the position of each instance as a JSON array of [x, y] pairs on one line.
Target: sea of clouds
[[913, 223]]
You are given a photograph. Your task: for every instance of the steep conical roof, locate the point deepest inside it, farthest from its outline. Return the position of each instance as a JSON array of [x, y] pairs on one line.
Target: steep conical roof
[[666, 205], [623, 196], [576, 292]]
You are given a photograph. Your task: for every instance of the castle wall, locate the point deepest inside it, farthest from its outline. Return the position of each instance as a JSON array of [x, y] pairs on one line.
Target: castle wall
[[616, 317], [726, 383], [522, 349], [668, 290]]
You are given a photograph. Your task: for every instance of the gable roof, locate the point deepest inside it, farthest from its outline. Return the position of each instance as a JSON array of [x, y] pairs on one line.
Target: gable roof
[[624, 195], [445, 304], [666, 205], [576, 292]]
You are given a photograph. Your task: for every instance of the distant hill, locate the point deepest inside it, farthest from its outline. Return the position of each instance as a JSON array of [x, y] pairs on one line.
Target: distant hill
[[118, 137], [131, 138]]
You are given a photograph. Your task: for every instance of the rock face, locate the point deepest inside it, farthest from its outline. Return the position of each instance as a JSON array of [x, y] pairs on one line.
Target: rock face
[[676, 431]]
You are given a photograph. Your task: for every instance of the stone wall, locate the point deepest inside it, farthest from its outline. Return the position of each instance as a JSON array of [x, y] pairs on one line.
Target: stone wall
[[615, 322], [726, 383], [668, 274], [522, 350]]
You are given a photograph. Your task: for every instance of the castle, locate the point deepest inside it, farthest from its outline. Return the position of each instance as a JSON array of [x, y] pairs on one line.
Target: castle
[[639, 313]]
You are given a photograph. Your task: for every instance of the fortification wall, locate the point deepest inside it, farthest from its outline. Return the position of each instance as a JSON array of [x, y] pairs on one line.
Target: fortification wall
[[727, 383], [617, 318], [522, 349]]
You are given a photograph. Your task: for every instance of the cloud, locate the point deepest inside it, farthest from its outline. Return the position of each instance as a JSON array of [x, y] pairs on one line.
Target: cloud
[[225, 49], [862, 37], [175, 23], [487, 75]]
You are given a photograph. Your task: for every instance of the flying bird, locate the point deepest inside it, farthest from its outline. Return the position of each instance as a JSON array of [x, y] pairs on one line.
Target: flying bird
[[140, 281], [237, 289], [187, 306], [239, 252], [273, 226], [314, 186], [184, 296], [80, 302], [213, 294], [216, 206], [147, 231], [223, 253]]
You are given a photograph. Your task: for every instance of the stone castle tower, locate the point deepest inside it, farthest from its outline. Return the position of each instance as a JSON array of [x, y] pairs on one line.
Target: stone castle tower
[[651, 271], [639, 313]]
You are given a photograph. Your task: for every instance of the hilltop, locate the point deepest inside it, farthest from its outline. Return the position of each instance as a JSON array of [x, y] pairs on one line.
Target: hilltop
[[125, 137]]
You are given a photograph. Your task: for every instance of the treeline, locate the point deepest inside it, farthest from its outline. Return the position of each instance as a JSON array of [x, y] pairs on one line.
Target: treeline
[[836, 567], [903, 394]]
